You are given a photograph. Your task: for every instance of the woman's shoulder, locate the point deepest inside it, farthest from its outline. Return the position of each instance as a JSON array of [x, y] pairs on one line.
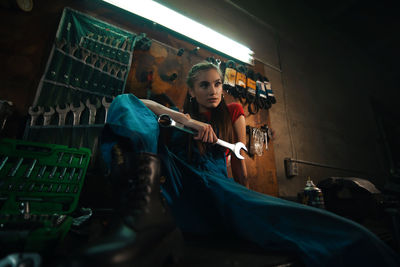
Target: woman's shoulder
[[235, 110]]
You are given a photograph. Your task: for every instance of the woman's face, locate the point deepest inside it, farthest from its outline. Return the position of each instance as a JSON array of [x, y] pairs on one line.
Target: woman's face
[[207, 89]]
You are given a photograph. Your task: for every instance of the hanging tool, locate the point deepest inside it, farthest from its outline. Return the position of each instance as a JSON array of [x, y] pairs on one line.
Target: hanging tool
[[230, 77], [35, 114], [180, 52], [270, 93], [166, 121], [123, 71], [62, 114], [106, 106], [47, 116], [92, 110], [77, 112], [72, 49], [241, 88], [91, 134]]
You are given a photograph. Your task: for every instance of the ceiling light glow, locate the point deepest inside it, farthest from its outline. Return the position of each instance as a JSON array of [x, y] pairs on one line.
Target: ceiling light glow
[[173, 20]]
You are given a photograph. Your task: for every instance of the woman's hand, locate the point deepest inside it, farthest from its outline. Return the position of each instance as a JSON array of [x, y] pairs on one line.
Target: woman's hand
[[205, 132]]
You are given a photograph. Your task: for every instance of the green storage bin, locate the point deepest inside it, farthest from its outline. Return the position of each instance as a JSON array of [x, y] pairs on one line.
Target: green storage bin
[[40, 186]]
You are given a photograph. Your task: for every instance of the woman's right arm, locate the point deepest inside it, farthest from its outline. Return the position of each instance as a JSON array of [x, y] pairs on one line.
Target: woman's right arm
[[205, 131]]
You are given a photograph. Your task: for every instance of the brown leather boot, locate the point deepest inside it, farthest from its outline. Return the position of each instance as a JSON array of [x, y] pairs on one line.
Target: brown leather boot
[[143, 232]]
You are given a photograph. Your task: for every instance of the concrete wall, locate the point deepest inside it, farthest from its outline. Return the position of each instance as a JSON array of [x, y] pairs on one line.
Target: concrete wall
[[323, 112]]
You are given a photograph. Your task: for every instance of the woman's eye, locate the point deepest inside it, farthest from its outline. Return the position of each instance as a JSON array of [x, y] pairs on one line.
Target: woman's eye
[[218, 83], [204, 85]]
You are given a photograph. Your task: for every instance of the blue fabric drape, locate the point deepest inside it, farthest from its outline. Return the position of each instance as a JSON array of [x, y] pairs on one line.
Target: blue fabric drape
[[204, 200]]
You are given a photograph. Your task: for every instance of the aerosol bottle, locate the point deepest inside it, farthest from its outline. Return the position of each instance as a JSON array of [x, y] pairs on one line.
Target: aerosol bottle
[[313, 195]]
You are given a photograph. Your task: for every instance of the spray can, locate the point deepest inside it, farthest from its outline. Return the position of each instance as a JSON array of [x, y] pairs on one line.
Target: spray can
[[312, 195]]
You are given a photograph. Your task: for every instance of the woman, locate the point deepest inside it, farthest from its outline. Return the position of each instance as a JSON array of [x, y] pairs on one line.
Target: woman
[[205, 102], [204, 200]]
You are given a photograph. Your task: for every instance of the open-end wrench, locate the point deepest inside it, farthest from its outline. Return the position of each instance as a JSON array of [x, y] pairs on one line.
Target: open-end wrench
[[106, 105], [62, 114], [92, 110], [85, 54], [166, 121], [116, 70], [35, 114], [235, 148], [72, 49], [47, 116], [94, 59], [60, 43], [91, 134], [77, 111]]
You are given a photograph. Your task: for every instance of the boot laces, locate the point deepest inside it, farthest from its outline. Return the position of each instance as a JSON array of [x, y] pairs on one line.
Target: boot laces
[[139, 188]]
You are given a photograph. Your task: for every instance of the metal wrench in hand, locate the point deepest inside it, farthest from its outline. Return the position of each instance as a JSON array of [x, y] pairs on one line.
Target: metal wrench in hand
[[166, 121]]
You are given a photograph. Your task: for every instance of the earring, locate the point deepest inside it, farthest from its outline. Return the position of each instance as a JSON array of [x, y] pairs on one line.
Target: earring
[[222, 96]]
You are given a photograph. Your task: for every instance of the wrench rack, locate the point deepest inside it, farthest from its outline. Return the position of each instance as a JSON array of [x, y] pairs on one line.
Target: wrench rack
[[89, 61], [89, 58], [40, 185]]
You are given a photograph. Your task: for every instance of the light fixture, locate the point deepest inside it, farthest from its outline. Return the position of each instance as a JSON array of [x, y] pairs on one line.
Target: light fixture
[[171, 19]]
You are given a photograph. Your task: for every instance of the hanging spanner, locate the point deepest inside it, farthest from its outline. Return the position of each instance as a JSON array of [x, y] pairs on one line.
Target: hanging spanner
[[47, 116], [35, 114], [77, 111], [91, 134], [106, 105], [166, 121], [92, 110], [62, 114]]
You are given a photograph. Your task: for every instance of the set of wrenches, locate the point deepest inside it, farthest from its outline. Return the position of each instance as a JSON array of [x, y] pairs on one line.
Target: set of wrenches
[[62, 112], [121, 43], [89, 51]]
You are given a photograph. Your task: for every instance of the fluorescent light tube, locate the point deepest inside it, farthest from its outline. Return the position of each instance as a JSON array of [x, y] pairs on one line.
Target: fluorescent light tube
[[173, 20]]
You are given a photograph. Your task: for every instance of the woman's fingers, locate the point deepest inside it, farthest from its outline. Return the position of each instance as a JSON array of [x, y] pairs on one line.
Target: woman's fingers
[[200, 134], [209, 136], [212, 137], [206, 134]]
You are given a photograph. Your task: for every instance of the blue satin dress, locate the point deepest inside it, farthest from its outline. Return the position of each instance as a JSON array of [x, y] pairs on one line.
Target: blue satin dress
[[204, 200]]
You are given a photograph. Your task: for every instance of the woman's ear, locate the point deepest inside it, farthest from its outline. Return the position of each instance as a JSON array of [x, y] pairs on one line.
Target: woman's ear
[[191, 92]]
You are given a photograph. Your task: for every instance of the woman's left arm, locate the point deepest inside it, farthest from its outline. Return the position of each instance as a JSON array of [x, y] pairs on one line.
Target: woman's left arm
[[238, 166]]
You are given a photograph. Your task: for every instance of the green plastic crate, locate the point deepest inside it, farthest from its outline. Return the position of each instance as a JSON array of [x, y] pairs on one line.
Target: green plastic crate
[[40, 186]]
